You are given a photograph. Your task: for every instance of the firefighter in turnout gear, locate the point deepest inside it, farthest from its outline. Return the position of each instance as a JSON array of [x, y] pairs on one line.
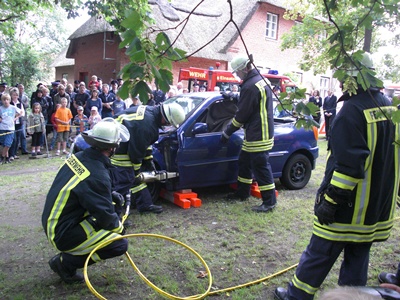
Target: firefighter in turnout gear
[[355, 204], [79, 213], [255, 115], [143, 123]]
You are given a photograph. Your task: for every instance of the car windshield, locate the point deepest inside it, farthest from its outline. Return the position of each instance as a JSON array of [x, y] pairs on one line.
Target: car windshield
[[188, 103]]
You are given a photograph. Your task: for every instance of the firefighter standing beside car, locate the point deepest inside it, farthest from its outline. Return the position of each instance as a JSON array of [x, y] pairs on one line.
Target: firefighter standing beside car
[[356, 201], [79, 213], [143, 123], [255, 115]]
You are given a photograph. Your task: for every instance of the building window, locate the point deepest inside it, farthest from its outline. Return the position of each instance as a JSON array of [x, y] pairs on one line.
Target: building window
[[272, 26], [297, 77], [324, 84], [65, 75], [301, 41]]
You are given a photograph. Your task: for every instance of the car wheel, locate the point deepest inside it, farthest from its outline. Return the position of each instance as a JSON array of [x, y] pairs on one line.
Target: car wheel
[[154, 189], [297, 172]]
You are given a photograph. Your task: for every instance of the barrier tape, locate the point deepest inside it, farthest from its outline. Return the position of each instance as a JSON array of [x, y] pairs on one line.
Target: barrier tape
[[13, 131]]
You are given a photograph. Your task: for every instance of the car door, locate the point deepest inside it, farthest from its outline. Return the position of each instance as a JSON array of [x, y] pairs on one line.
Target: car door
[[202, 159]]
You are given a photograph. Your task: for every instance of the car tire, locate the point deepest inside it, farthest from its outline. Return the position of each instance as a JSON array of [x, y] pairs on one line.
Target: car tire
[[297, 172]]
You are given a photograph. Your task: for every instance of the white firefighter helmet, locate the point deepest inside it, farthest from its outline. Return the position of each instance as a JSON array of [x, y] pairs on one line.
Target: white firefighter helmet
[[173, 113], [239, 62], [366, 61], [108, 133]]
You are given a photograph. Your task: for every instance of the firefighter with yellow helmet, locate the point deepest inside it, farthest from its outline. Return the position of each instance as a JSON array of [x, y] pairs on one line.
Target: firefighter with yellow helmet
[[255, 115], [134, 156], [79, 213]]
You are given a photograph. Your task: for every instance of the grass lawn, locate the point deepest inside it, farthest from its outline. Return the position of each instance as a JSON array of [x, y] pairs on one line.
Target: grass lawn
[[238, 245]]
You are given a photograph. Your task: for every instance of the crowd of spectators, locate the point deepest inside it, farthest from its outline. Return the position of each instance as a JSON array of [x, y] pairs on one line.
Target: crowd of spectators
[[88, 104]]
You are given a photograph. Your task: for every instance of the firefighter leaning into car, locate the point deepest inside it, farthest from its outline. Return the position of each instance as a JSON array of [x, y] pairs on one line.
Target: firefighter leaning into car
[[255, 115], [79, 213], [143, 123], [355, 204]]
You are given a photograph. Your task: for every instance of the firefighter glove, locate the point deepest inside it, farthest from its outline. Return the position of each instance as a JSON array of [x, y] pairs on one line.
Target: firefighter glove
[[147, 165], [325, 211], [118, 199], [224, 138], [230, 96], [340, 196]]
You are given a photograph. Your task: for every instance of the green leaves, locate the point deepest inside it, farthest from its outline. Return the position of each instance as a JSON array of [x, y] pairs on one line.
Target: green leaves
[[150, 56], [299, 109], [142, 89], [165, 79], [132, 20]]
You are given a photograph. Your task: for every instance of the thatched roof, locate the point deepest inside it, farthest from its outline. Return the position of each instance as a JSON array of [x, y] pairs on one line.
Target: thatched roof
[[92, 26], [209, 19], [61, 60], [203, 27]]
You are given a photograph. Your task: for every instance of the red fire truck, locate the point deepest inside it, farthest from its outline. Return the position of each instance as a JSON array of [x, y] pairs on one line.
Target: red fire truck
[[225, 79], [210, 78]]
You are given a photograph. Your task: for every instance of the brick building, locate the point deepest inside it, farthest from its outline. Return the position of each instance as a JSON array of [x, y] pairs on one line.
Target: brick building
[[94, 46]]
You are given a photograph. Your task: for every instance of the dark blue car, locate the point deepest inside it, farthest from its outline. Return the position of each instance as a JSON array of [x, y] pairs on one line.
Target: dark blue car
[[195, 154]]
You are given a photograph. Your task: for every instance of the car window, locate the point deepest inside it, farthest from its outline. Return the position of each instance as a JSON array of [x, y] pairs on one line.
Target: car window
[[188, 103]]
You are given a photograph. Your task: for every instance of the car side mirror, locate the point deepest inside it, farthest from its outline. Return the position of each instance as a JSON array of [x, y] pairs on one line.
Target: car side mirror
[[200, 128]]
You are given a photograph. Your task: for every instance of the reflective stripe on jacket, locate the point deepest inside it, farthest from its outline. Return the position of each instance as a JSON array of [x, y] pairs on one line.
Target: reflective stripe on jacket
[[365, 161]]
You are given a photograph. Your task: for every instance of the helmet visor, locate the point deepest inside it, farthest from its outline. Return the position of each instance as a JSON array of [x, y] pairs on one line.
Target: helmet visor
[[123, 133]]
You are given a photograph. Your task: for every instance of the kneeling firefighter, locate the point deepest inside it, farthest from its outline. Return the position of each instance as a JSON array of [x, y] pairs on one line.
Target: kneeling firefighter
[[79, 213], [134, 156]]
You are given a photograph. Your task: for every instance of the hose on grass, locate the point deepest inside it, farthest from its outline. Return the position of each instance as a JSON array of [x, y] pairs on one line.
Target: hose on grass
[[157, 289]]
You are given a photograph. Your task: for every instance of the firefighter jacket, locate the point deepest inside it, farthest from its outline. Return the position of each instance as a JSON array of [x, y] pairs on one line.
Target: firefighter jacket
[[254, 114], [81, 191], [143, 123], [362, 170]]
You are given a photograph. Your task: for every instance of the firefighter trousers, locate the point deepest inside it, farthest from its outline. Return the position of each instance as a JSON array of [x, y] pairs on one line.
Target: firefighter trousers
[[73, 262], [257, 164], [318, 259], [77, 243]]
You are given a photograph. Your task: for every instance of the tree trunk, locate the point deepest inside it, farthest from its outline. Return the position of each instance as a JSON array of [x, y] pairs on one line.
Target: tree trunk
[[367, 40]]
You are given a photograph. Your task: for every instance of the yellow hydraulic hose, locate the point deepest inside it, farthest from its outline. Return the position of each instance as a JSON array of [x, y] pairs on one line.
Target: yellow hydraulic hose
[[153, 286]]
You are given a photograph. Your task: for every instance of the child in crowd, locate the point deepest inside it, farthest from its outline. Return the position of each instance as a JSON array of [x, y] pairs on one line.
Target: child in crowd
[[63, 117], [94, 117], [81, 121], [54, 125], [94, 83], [18, 122], [93, 101], [135, 101], [118, 105], [36, 127], [8, 114]]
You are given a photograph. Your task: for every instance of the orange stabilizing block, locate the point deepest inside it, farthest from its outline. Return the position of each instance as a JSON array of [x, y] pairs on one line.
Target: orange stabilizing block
[[254, 190], [182, 198]]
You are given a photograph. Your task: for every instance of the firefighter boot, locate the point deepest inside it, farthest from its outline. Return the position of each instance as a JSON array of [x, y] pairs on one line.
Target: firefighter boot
[[280, 293], [241, 194], [388, 278], [155, 209], [68, 276], [263, 208], [269, 201]]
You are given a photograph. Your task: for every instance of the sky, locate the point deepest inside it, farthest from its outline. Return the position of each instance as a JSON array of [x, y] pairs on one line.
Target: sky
[[73, 24]]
